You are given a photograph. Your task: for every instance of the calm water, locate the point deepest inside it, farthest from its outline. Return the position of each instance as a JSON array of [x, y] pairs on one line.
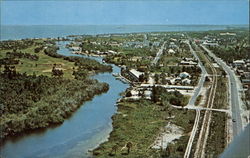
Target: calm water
[[88, 126], [43, 31]]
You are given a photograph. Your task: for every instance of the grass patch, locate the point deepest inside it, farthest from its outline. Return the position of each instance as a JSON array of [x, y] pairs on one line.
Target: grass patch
[[221, 97], [216, 132], [140, 123], [44, 64], [198, 100]]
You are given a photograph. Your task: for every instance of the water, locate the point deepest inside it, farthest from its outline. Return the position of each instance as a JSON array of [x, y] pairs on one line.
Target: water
[[44, 31], [89, 125]]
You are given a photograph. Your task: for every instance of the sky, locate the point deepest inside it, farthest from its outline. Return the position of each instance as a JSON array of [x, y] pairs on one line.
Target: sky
[[108, 12]]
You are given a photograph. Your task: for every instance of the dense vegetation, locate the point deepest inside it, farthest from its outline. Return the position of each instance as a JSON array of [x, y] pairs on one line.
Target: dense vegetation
[[232, 53], [29, 102], [35, 101], [16, 44], [160, 94], [132, 57], [19, 54]]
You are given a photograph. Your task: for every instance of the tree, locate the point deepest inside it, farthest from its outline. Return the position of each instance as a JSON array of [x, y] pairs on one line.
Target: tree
[[156, 78], [141, 78], [114, 150], [129, 146], [128, 94], [57, 72]]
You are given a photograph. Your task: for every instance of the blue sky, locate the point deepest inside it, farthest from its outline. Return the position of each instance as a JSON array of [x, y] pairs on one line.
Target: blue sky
[[218, 12]]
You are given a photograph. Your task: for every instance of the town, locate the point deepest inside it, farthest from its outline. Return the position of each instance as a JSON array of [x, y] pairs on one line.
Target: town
[[183, 93], [183, 65]]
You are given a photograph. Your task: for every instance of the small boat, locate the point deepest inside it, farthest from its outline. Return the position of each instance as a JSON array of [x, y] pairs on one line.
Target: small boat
[[115, 74]]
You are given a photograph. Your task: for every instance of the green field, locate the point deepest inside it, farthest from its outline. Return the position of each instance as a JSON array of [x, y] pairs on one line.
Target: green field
[[43, 66]]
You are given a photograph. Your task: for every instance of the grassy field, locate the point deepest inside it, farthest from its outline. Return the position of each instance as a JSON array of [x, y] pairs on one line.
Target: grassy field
[[44, 64], [140, 123]]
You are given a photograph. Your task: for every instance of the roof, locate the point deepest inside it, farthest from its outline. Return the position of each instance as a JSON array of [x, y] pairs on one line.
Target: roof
[[184, 74], [171, 51], [136, 73], [239, 62], [186, 80]]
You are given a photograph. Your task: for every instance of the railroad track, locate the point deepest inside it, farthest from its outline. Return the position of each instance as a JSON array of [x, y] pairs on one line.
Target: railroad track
[[202, 140]]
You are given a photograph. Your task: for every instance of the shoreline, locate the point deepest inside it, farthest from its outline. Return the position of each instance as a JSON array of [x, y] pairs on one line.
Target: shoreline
[[49, 125], [94, 88]]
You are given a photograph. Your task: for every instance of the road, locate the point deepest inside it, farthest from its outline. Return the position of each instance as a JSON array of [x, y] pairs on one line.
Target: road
[[192, 102], [234, 93], [192, 135], [204, 132], [202, 79], [158, 55]]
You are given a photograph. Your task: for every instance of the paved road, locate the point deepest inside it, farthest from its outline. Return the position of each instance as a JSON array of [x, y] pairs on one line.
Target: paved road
[[202, 79], [234, 93], [192, 135], [158, 55]]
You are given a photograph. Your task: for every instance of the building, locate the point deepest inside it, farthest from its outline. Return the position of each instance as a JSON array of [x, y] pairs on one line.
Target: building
[[171, 51], [184, 75], [75, 48], [210, 43], [172, 45], [186, 81], [192, 63], [238, 63], [132, 75]]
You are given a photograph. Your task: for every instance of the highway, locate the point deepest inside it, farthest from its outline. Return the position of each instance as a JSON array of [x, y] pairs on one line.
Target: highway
[[202, 79], [158, 55], [234, 93]]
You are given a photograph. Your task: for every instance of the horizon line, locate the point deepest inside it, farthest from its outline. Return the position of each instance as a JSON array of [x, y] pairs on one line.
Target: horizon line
[[123, 24]]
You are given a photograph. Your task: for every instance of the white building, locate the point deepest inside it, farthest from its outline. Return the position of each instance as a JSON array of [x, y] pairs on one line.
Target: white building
[[171, 51], [186, 81], [238, 62], [184, 75]]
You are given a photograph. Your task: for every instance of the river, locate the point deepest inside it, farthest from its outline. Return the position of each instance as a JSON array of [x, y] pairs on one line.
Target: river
[[84, 130]]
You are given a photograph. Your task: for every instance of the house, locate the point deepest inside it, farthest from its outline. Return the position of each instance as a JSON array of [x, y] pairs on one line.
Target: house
[[186, 81], [184, 75], [210, 43], [188, 59], [134, 93], [227, 34], [75, 48], [147, 94], [171, 51], [172, 45], [135, 59], [238, 63], [188, 63]]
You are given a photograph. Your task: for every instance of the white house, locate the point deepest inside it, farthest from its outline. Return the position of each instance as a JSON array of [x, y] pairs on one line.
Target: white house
[[186, 81], [171, 51], [184, 75]]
